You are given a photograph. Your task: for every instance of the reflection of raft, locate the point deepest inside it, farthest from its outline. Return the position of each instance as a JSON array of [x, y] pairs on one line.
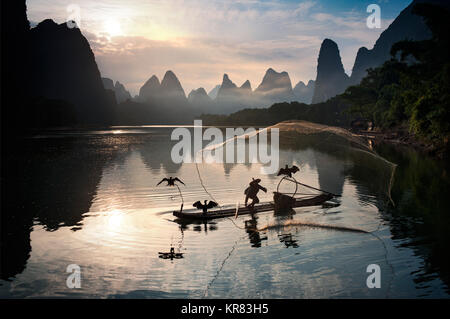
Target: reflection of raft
[[171, 255], [281, 202]]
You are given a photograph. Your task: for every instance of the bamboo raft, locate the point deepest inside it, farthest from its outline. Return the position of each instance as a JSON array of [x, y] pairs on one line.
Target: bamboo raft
[[281, 202]]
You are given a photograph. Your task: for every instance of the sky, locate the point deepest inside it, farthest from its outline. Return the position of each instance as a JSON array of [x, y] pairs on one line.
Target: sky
[[200, 40]]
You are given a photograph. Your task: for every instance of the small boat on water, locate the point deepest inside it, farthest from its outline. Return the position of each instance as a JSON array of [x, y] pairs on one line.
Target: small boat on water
[[281, 202]]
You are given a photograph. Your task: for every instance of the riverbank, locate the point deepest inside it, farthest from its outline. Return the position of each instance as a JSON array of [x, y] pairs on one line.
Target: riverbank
[[402, 136], [396, 136]]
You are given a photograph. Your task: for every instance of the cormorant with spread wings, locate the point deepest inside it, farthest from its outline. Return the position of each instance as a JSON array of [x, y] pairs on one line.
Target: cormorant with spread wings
[[205, 206], [170, 181], [288, 171]]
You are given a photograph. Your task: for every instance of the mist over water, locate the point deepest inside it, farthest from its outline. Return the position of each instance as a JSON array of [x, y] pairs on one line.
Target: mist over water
[[90, 198]]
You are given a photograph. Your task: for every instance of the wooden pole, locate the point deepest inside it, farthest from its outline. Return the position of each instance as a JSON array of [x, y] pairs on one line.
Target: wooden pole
[[317, 189]]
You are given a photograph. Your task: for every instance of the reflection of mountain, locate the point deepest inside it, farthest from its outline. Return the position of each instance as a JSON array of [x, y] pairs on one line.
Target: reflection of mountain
[[227, 167], [15, 239], [54, 188], [330, 168], [331, 173], [156, 154], [419, 220]]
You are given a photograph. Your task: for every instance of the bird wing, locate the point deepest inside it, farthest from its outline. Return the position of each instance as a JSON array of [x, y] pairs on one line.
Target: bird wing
[[198, 204], [164, 179], [211, 204], [177, 179], [295, 169]]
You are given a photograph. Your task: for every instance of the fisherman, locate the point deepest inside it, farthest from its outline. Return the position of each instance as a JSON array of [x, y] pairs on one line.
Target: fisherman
[[252, 191]]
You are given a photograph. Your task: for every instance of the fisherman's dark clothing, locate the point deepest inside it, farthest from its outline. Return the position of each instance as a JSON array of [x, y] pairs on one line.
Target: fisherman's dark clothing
[[252, 191]]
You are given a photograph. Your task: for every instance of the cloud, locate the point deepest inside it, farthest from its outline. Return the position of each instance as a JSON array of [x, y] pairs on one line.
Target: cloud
[[202, 39]]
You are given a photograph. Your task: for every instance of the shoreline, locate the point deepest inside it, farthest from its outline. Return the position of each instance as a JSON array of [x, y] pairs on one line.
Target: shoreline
[[397, 136], [404, 138]]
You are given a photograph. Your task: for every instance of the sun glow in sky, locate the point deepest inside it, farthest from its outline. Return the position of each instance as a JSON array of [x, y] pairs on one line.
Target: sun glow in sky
[[112, 27], [200, 40]]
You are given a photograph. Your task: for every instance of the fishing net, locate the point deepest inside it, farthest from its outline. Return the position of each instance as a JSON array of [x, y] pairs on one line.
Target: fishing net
[[331, 145], [336, 142]]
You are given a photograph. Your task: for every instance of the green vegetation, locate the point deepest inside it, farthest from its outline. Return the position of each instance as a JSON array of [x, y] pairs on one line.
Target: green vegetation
[[411, 89], [330, 112]]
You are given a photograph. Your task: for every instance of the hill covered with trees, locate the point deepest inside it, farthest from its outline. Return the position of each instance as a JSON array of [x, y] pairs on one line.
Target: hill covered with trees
[[410, 92]]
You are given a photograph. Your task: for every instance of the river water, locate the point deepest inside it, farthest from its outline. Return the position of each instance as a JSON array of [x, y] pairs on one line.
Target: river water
[[90, 198]]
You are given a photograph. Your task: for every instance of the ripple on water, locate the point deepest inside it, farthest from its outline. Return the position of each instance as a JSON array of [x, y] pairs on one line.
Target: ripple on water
[[130, 220]]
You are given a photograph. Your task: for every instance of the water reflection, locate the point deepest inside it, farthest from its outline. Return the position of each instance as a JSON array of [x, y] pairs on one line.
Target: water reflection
[[97, 192], [254, 236], [51, 183], [288, 240]]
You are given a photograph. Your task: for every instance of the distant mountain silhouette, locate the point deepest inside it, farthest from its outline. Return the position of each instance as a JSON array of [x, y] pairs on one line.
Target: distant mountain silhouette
[[231, 98], [406, 26], [62, 66], [168, 91], [171, 88], [304, 93], [14, 49], [199, 99], [50, 75], [159, 103], [120, 93], [14, 64], [331, 78], [246, 86], [228, 97], [227, 88], [108, 84], [275, 87], [213, 93], [150, 90]]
